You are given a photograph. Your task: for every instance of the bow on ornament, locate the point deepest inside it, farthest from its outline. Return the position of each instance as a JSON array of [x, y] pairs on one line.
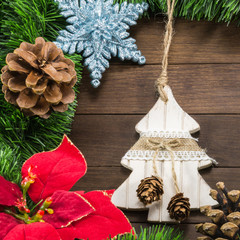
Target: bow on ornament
[[58, 214], [163, 144]]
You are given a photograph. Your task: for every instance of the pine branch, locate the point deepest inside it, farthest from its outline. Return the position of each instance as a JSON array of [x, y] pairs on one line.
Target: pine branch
[[30, 135], [153, 233], [21, 136], [9, 163], [211, 10], [25, 20]]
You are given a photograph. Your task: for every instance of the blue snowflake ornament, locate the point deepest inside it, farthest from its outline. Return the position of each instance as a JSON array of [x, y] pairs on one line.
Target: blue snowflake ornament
[[99, 30]]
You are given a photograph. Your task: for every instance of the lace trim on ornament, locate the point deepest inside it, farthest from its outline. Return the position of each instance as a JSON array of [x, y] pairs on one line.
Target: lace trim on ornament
[[167, 134], [165, 156]]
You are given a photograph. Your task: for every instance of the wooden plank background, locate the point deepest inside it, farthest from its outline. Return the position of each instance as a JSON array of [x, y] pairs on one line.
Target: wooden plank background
[[204, 73]]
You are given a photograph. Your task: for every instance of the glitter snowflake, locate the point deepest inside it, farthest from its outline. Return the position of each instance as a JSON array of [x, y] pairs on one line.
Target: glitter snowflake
[[99, 30]]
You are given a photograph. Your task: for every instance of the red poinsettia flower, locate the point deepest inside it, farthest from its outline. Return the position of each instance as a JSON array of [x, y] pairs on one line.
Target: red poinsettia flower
[[59, 214]]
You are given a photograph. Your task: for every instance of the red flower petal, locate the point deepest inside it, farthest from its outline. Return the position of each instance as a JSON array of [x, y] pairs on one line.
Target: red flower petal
[[9, 192], [68, 207], [106, 220], [109, 193], [33, 231], [7, 223], [56, 170], [80, 192]]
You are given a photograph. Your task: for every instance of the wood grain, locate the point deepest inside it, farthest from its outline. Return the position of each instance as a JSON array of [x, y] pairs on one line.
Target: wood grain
[[193, 42], [104, 139], [204, 74], [128, 89], [103, 178]]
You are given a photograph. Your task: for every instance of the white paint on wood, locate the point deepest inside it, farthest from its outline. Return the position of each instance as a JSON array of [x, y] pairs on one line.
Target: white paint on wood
[[169, 112], [165, 117]]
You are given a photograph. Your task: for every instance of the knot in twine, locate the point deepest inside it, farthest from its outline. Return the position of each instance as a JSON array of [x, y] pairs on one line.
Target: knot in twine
[[161, 82], [165, 144]]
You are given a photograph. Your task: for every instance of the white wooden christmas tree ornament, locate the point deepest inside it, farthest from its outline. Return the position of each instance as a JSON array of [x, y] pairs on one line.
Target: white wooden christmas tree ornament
[[165, 121], [166, 158]]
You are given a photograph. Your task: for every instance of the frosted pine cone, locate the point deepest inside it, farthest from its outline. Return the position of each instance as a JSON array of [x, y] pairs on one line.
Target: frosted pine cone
[[179, 207], [150, 190], [39, 79]]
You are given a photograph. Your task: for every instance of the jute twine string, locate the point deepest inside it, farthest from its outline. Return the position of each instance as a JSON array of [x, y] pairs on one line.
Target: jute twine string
[[186, 144], [162, 80], [166, 144]]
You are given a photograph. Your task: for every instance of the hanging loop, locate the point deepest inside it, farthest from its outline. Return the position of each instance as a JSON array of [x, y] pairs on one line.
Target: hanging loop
[[162, 80]]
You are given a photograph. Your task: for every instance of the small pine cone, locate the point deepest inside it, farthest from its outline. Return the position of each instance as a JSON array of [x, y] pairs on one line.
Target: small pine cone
[[179, 207], [39, 79], [150, 190]]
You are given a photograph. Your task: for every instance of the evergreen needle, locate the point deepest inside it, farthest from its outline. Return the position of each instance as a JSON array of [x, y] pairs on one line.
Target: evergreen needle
[[21, 136]]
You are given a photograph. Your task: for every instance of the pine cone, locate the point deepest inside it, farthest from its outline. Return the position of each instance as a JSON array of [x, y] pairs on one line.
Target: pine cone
[[38, 78], [150, 189], [179, 207], [226, 220]]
